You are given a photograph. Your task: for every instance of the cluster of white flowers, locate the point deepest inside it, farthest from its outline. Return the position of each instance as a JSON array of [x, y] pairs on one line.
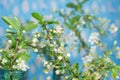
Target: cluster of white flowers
[[48, 65], [35, 42], [93, 49], [20, 65], [87, 59], [113, 28], [60, 49], [58, 29], [107, 59], [118, 52], [94, 38], [97, 75], [4, 61]]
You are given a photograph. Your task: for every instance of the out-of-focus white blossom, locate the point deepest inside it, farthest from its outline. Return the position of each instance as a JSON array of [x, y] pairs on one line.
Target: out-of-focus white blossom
[[24, 31], [115, 42], [45, 62], [107, 59], [68, 54], [93, 49], [58, 29], [1, 50], [35, 50], [48, 78], [66, 77], [10, 26], [93, 38], [4, 61], [21, 65], [9, 41], [113, 28], [35, 40], [87, 59], [97, 76], [42, 44], [118, 54], [60, 57], [46, 71], [57, 72], [117, 77]]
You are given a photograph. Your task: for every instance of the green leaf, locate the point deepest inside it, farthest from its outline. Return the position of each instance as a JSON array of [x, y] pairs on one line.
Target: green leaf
[[30, 26], [114, 72], [17, 21], [71, 5], [9, 21], [51, 22], [75, 19], [23, 56], [37, 16]]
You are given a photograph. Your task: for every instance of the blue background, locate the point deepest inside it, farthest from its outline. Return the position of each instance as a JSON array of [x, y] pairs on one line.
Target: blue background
[[23, 9]]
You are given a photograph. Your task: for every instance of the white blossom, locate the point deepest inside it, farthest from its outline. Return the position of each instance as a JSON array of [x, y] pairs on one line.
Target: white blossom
[[10, 26], [97, 75], [45, 62], [87, 59], [34, 44], [58, 29], [14, 67], [1, 50], [21, 65], [66, 77], [35, 50], [60, 57], [93, 49], [48, 78], [46, 71], [117, 77], [107, 59], [35, 40], [57, 72], [93, 38], [113, 28], [4, 61], [24, 31], [115, 42], [118, 54], [9, 41], [68, 54]]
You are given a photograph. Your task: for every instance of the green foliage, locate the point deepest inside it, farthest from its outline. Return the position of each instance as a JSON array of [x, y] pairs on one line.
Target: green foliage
[[30, 26], [16, 50]]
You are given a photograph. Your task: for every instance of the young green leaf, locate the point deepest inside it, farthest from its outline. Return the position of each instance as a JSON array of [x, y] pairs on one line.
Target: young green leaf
[[9, 21], [30, 26], [71, 5], [51, 22], [17, 21], [23, 56], [37, 16]]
